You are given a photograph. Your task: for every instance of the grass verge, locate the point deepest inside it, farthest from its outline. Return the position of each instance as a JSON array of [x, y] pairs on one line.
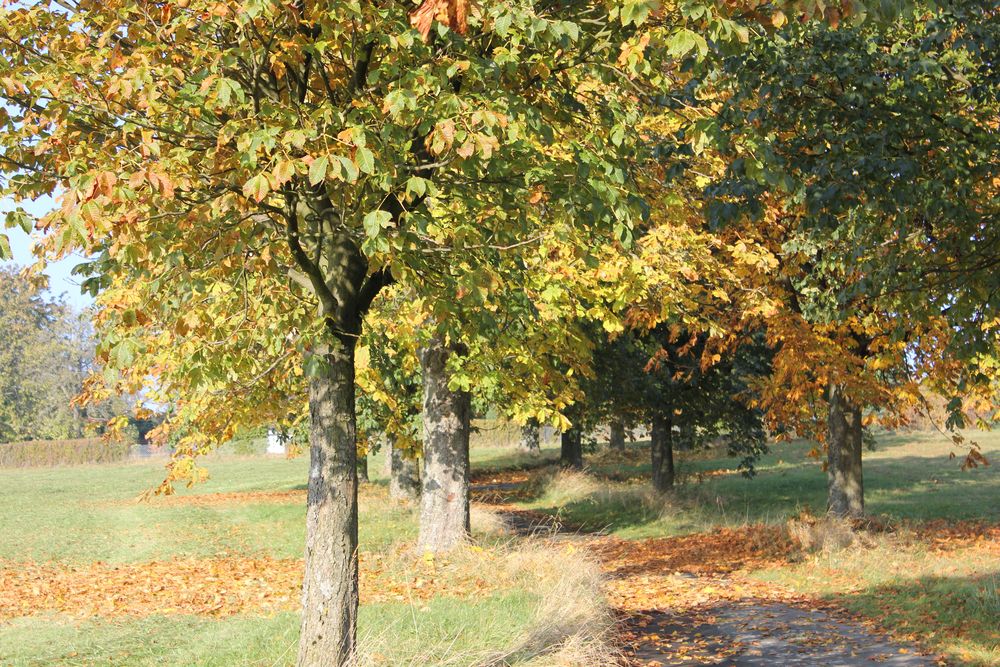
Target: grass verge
[[497, 602]]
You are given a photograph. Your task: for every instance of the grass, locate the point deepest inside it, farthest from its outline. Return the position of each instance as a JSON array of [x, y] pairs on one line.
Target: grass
[[391, 634], [89, 513], [946, 598], [539, 605], [907, 477]]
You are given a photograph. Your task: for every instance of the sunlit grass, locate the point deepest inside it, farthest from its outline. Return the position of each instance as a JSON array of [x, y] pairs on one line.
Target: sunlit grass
[[907, 477], [536, 600], [946, 599]]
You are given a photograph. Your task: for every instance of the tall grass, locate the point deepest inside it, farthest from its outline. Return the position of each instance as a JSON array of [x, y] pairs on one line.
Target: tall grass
[[39, 453], [498, 433]]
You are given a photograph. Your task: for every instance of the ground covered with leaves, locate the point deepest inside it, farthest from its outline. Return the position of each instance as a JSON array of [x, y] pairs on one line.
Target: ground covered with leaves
[[920, 577], [717, 570]]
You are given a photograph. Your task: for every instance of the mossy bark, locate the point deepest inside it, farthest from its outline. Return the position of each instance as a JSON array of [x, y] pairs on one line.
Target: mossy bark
[[571, 451], [330, 584], [363, 470], [616, 436], [404, 475]]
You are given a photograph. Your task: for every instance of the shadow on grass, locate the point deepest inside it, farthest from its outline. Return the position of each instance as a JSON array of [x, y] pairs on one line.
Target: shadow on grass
[[904, 488], [957, 616]]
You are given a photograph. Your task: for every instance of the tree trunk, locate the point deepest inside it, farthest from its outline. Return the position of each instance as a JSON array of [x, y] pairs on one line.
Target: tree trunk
[[571, 454], [363, 469], [330, 584], [530, 437], [662, 453], [684, 440], [444, 503], [404, 475], [616, 436], [845, 484]]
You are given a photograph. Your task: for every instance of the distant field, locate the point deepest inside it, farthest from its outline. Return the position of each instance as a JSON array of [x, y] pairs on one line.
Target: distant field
[[36, 453]]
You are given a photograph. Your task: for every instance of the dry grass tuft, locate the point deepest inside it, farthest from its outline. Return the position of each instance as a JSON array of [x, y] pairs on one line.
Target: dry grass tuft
[[486, 522], [566, 486], [571, 624], [831, 534], [827, 534]]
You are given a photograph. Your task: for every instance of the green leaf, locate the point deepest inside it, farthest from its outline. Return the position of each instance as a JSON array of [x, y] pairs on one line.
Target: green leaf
[[226, 89], [19, 218], [636, 11], [685, 41], [5, 252], [375, 221], [348, 170], [315, 365], [365, 160], [257, 187], [416, 186], [317, 170]]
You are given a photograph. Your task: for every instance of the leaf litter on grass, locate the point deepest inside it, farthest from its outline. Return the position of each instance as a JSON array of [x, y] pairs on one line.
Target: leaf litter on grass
[[220, 586]]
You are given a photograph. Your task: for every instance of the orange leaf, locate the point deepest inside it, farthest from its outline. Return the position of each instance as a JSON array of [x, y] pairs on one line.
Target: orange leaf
[[452, 13]]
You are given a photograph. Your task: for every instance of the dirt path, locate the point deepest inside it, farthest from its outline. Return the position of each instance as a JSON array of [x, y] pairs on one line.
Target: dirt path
[[754, 633], [680, 604]]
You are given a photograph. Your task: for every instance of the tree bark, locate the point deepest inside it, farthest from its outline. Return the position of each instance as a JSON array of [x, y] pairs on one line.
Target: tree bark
[[684, 441], [616, 436], [530, 437], [662, 453], [444, 503], [404, 475], [845, 483], [571, 454], [330, 585]]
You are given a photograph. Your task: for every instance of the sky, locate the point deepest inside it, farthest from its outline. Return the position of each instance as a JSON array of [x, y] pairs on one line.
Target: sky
[[61, 283]]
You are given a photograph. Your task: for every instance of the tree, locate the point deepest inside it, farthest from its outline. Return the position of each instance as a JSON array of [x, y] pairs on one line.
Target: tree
[[870, 154], [571, 446], [684, 385], [444, 498], [616, 435], [404, 475], [530, 437], [389, 403], [46, 354], [250, 177]]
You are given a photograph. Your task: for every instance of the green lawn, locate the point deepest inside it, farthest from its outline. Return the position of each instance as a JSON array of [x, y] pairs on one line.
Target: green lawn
[[401, 635], [90, 513], [907, 476]]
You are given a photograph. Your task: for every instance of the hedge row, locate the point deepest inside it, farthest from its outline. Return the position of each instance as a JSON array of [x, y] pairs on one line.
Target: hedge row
[[62, 452]]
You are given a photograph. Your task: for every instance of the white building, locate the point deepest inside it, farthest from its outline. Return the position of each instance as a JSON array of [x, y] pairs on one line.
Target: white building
[[276, 441]]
